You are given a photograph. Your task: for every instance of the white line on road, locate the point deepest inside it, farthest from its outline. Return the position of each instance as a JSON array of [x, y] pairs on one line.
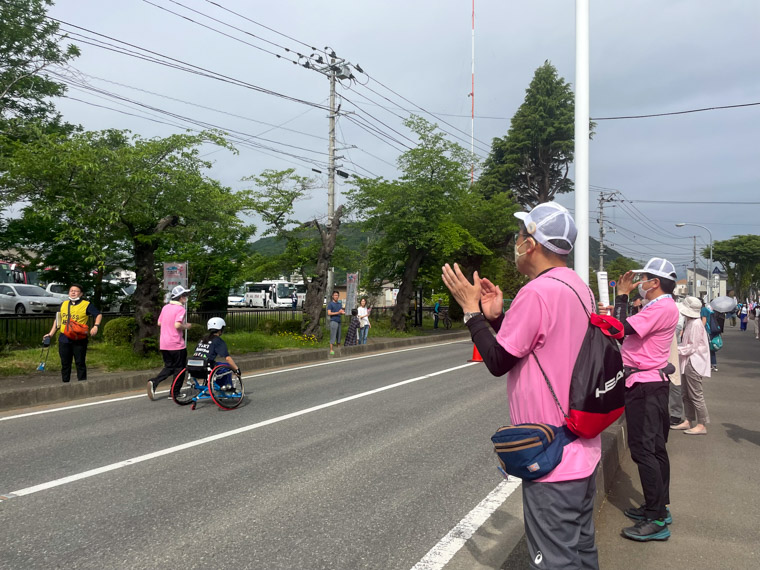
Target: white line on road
[[289, 369], [440, 555], [195, 443]]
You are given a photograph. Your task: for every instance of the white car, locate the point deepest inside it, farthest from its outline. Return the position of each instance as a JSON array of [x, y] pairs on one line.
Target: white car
[[236, 298], [58, 290], [22, 299]]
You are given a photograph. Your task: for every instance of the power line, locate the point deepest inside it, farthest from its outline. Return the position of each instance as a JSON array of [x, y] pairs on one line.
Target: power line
[[674, 112]]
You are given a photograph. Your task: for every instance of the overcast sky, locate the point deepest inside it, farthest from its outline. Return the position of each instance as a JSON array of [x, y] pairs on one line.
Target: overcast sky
[[647, 57]]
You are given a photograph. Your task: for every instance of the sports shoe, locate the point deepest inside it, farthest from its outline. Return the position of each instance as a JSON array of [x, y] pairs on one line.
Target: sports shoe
[[332, 353], [151, 390], [646, 530], [637, 514]]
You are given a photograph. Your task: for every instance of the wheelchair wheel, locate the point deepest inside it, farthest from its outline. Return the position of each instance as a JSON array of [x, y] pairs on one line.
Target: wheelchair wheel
[[225, 387], [184, 388]]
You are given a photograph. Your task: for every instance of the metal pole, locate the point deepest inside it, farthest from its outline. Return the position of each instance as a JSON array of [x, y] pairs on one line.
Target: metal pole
[[581, 137], [695, 267], [331, 174], [601, 231], [710, 270]]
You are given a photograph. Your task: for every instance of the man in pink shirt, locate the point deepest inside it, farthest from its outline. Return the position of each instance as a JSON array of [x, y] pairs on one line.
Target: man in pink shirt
[[172, 341], [546, 324], [645, 351]]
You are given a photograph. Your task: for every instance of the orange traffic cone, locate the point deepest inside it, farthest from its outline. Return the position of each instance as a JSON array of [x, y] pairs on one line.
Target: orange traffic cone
[[475, 355]]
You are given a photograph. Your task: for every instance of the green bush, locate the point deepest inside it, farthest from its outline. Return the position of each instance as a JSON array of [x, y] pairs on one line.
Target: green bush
[[195, 333], [291, 326], [455, 310], [268, 326], [120, 331]]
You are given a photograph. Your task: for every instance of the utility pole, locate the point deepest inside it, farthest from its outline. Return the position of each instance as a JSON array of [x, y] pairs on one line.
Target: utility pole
[[333, 68], [581, 137], [695, 267], [602, 232]]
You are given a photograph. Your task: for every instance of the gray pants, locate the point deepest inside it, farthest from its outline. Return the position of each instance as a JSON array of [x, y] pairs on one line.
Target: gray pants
[[693, 397], [675, 401], [559, 523], [334, 332]]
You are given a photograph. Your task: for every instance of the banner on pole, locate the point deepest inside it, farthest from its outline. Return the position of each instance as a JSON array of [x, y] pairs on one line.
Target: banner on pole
[[175, 274], [352, 288]]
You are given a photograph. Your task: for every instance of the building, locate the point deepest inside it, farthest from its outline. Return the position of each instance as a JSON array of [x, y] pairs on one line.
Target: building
[[685, 287]]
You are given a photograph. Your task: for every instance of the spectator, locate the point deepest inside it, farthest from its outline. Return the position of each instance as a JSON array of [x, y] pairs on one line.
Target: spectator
[[545, 323], [743, 314], [74, 312], [436, 312], [695, 364], [294, 299], [364, 325], [705, 312], [172, 324], [334, 312], [756, 319], [646, 348], [352, 334]]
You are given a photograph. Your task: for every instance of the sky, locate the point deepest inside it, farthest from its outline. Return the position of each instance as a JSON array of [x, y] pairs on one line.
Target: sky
[[646, 57]]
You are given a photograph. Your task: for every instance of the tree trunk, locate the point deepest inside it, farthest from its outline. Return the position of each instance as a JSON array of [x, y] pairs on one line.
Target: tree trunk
[[146, 297], [315, 289], [406, 290]]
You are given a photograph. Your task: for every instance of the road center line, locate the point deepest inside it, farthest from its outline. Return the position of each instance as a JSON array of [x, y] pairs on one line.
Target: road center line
[[289, 369], [209, 439]]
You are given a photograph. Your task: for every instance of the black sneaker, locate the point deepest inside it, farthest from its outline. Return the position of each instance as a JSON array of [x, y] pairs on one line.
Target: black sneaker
[[637, 514], [646, 530]]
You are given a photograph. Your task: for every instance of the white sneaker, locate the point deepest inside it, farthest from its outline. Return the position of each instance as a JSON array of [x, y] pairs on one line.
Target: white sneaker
[[151, 390]]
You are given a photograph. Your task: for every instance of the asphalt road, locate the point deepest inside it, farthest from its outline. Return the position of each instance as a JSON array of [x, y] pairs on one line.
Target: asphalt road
[[331, 466]]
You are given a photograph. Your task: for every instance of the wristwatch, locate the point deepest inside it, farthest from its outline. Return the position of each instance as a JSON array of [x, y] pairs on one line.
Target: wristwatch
[[468, 316]]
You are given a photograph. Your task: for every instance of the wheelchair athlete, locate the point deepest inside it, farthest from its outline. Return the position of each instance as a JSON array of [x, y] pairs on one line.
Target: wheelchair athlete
[[212, 347]]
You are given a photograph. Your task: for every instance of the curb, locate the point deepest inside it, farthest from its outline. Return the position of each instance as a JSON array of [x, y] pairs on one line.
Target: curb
[[500, 542], [38, 391]]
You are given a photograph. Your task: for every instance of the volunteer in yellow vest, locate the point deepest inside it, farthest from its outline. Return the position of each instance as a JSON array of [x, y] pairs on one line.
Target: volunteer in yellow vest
[[72, 344]]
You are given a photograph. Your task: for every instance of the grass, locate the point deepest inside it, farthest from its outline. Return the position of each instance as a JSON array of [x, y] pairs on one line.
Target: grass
[[104, 357]]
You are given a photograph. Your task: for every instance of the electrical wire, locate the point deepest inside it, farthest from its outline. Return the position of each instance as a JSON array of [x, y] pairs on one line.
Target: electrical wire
[[674, 112]]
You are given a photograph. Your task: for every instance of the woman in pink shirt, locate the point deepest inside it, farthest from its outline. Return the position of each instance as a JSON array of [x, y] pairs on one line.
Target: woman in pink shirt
[[694, 357]]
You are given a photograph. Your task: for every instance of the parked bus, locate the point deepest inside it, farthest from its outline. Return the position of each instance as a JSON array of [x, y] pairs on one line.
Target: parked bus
[[269, 294], [12, 273]]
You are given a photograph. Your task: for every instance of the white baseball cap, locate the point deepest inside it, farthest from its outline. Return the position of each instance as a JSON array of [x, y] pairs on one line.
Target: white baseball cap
[[178, 291], [550, 221], [659, 267]]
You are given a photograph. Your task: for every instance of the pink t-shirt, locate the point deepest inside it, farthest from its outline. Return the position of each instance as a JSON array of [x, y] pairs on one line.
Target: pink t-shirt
[[547, 319], [649, 348], [171, 337]]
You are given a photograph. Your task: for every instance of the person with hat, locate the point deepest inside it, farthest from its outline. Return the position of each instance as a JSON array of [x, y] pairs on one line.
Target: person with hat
[[172, 323], [694, 358], [646, 348], [543, 328]]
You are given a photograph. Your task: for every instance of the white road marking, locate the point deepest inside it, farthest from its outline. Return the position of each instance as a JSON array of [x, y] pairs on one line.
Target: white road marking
[[195, 443], [440, 555], [289, 369]]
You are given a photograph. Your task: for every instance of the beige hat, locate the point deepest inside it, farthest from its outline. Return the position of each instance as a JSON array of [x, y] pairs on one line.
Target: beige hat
[[690, 307]]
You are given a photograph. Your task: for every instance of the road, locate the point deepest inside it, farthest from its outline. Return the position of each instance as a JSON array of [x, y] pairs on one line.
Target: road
[[357, 463]]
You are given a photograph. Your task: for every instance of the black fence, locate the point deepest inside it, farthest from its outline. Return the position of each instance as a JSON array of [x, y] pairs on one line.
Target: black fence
[[28, 330]]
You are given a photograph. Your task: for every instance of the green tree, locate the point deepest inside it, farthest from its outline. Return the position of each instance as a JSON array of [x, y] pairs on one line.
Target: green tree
[[109, 186], [30, 46], [309, 245], [740, 257], [414, 216], [533, 159]]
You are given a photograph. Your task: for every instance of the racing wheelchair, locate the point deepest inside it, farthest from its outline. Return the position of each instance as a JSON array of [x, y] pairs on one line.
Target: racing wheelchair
[[201, 381]]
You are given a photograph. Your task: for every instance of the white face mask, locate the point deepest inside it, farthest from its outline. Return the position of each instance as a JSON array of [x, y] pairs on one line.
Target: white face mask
[[518, 255], [643, 292]]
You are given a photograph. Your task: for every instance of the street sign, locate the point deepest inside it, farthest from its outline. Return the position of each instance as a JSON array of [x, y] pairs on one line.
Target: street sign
[[612, 284]]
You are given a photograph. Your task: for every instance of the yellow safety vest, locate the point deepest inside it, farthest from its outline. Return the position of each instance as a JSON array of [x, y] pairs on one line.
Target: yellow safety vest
[[78, 313]]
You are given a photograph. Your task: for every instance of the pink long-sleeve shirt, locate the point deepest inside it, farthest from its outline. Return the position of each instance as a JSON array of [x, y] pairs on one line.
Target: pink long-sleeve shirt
[[695, 348]]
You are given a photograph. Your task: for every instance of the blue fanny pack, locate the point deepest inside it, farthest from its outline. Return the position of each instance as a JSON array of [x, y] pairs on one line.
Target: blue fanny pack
[[531, 451]]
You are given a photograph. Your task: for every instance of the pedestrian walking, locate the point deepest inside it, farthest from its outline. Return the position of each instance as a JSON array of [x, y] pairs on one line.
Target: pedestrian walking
[[71, 322], [363, 311], [694, 359], [645, 350], [755, 316], [334, 312], [172, 324], [294, 299], [743, 311], [546, 324]]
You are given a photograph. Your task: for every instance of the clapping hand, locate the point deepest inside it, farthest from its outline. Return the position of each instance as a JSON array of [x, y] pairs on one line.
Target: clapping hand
[[491, 299], [465, 293]]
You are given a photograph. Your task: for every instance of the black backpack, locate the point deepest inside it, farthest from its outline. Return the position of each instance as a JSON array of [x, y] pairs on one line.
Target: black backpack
[[597, 389]]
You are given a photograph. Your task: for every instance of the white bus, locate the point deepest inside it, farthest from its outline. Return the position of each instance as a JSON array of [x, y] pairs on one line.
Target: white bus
[[270, 294]]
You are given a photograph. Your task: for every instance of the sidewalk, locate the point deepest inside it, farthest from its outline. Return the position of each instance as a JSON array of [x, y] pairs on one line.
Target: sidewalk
[[715, 479], [37, 388]]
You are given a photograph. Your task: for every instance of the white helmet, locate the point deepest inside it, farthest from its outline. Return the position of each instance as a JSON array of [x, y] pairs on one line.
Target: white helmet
[[216, 324]]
